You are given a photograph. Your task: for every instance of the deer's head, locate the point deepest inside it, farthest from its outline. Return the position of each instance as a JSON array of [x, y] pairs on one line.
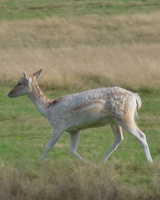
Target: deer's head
[[24, 85]]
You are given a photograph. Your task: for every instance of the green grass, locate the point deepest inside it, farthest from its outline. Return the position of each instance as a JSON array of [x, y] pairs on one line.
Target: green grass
[[24, 134], [15, 9]]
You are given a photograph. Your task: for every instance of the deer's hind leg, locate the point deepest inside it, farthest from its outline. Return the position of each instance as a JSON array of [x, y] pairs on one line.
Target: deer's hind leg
[[118, 137], [129, 125]]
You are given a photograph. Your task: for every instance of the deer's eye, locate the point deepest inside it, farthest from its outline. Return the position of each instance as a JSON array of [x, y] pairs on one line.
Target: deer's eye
[[19, 84]]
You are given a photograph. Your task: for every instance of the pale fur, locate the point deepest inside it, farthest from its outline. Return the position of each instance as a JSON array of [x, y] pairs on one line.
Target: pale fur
[[92, 108]]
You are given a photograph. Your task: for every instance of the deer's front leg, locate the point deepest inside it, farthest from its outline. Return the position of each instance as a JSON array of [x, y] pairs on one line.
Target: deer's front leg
[[52, 141], [73, 145]]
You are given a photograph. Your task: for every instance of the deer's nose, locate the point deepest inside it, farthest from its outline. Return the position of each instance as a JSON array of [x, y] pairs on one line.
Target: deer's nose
[[10, 94]]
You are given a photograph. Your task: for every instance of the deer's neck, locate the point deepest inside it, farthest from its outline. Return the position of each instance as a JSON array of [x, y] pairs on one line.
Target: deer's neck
[[39, 99]]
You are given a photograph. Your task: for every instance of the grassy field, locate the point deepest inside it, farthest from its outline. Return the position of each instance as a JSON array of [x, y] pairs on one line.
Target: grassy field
[[24, 134], [80, 44], [89, 50]]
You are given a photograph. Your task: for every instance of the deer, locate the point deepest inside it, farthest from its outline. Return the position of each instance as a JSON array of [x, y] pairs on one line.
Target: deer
[[88, 109]]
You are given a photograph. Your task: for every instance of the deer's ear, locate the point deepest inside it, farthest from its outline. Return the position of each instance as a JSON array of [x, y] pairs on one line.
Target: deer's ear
[[25, 76], [37, 74]]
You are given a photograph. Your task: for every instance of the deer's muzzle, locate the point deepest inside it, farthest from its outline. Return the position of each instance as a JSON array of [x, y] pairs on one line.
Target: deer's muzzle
[[10, 95]]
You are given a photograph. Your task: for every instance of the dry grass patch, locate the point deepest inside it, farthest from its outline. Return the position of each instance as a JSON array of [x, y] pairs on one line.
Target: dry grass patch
[[135, 66], [84, 52], [80, 182], [89, 30]]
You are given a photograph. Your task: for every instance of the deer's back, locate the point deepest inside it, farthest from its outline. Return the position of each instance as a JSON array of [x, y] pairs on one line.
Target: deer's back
[[107, 96]]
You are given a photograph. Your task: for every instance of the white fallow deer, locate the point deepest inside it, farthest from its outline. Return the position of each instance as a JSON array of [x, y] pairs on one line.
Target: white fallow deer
[[92, 108]]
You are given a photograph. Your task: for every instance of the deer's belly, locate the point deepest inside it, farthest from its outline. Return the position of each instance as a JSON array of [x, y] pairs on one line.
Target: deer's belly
[[83, 122]]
